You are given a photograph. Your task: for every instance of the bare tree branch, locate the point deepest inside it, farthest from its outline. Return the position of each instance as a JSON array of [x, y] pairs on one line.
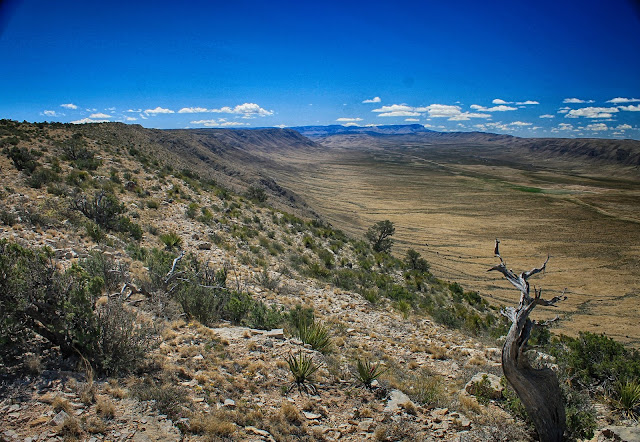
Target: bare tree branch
[[538, 390]]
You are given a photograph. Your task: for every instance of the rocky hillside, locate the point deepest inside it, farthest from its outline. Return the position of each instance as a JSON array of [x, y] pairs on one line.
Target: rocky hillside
[[147, 297]]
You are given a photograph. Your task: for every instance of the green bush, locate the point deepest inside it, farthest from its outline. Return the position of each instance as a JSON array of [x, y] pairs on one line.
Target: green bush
[[41, 177], [592, 360], [102, 207], [263, 317], [37, 298], [23, 159], [124, 338]]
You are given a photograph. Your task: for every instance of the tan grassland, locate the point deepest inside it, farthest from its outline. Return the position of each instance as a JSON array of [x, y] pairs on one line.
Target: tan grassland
[[451, 203]]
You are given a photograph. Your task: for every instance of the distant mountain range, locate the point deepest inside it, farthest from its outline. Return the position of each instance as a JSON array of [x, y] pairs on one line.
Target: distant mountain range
[[623, 152]]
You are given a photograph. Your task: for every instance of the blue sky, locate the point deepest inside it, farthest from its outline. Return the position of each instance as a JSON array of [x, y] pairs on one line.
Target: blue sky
[[544, 68]]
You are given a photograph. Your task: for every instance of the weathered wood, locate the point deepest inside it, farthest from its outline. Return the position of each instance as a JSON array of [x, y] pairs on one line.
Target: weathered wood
[[538, 389]]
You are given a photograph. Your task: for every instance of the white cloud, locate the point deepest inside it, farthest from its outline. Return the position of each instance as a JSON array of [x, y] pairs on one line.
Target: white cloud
[[619, 100], [564, 110], [499, 101], [500, 108], [576, 101], [134, 111], [400, 114], [49, 113], [453, 113], [247, 110], [394, 108], [351, 124], [520, 123], [623, 127], [219, 123], [630, 108], [565, 126], [110, 109], [597, 126], [192, 110], [349, 119], [130, 119], [100, 115], [158, 110], [592, 112], [547, 116], [526, 103], [69, 106], [88, 120], [412, 119], [373, 100], [441, 110], [463, 116]]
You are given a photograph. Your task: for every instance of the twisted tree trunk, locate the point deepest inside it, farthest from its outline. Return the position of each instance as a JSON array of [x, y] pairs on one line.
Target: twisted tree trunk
[[538, 390]]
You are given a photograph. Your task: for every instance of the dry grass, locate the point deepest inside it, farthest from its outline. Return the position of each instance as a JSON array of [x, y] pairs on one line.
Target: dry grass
[[586, 218], [105, 408], [61, 404]]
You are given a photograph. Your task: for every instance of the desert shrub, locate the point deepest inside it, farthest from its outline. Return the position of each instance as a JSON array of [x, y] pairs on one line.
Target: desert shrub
[[8, 218], [124, 338], [98, 264], [300, 315], [414, 261], [263, 317], [23, 159], [192, 210], [37, 298], [78, 178], [592, 360], [95, 232], [125, 225], [168, 399], [41, 177], [580, 414], [256, 194], [102, 207], [327, 258], [446, 316]]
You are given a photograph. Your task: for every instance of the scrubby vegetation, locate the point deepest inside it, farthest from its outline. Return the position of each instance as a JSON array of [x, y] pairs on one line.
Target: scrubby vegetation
[[150, 264]]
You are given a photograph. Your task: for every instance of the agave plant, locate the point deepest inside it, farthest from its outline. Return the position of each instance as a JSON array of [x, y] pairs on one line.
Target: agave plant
[[629, 398], [315, 334], [302, 368], [367, 372]]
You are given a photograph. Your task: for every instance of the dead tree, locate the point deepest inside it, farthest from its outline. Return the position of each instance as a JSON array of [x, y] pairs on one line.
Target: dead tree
[[538, 389]]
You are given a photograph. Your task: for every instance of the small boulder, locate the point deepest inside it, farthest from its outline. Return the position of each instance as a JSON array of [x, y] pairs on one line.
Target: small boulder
[[397, 399], [485, 384]]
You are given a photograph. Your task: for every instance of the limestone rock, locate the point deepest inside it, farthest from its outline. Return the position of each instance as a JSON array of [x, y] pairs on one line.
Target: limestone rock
[[490, 387], [396, 400]]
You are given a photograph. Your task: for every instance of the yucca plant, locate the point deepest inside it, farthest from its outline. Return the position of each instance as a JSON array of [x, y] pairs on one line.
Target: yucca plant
[[629, 398], [171, 240], [368, 372], [302, 368], [315, 334]]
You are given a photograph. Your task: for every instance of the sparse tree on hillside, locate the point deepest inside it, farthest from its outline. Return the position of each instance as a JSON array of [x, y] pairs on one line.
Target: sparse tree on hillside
[[414, 261], [538, 390], [380, 236]]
